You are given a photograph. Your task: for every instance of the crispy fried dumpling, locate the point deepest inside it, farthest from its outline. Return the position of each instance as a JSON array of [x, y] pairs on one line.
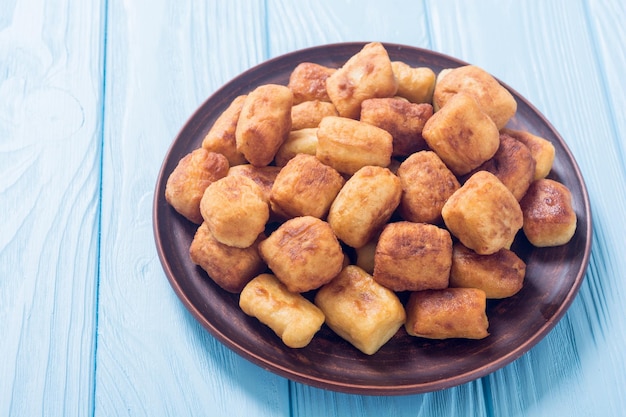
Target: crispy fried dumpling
[[483, 214], [447, 313], [360, 310], [291, 316]]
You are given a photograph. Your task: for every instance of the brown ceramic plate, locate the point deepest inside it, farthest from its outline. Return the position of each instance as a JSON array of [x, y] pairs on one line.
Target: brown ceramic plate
[[405, 365]]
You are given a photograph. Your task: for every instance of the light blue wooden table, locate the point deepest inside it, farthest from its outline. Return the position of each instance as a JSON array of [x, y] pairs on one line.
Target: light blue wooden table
[[92, 94]]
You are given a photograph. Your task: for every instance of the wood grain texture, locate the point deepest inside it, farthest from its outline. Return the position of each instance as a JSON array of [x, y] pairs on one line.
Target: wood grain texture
[[76, 245], [314, 23], [310, 23], [560, 70], [163, 59], [50, 133]]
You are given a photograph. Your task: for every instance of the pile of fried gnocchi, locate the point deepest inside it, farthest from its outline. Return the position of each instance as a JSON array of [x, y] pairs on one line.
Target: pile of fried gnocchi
[[323, 200]]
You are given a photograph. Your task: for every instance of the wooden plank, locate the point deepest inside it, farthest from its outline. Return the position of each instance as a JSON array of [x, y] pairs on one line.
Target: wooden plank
[[295, 26], [50, 136], [560, 56], [163, 59]]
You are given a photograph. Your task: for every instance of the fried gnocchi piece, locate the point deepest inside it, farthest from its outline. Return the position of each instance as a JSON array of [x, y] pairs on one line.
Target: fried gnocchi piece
[[462, 134], [235, 210], [499, 275], [483, 214], [231, 268], [309, 114], [264, 123], [221, 136], [427, 183], [364, 204], [348, 145], [192, 175], [413, 257], [492, 97], [404, 120], [447, 313], [367, 74], [298, 141], [303, 253], [414, 84], [291, 316], [513, 164], [263, 176], [542, 150], [549, 217], [360, 310], [305, 187], [308, 82]]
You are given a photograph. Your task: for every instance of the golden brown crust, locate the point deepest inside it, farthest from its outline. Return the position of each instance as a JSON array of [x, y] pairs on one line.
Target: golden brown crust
[[221, 136], [264, 123], [500, 275], [426, 185], [513, 164], [359, 310], [305, 187], [291, 316], [192, 175], [462, 134], [348, 145], [367, 74], [413, 257], [549, 217], [493, 98], [308, 82], [542, 150], [235, 210], [414, 84], [231, 268], [298, 141], [483, 214], [303, 253], [309, 114], [263, 176], [364, 204], [402, 119], [447, 313]]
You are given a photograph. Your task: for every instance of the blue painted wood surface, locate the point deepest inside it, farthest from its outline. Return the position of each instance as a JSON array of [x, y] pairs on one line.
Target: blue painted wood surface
[[91, 96]]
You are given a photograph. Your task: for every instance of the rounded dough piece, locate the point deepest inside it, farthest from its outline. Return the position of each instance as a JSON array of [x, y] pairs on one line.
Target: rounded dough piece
[[264, 123], [291, 316], [364, 204], [193, 174], [348, 145], [367, 74], [483, 214], [413, 257], [427, 183], [447, 313], [462, 134], [492, 97], [549, 218], [229, 267], [235, 210], [499, 275], [303, 253], [305, 187], [402, 119]]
